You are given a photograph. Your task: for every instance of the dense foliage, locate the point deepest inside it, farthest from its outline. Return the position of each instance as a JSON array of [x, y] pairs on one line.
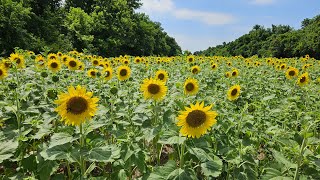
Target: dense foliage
[[246, 118], [104, 27], [277, 41]]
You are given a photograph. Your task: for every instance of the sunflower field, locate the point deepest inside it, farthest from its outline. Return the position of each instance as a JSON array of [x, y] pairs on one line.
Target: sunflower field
[[79, 116]]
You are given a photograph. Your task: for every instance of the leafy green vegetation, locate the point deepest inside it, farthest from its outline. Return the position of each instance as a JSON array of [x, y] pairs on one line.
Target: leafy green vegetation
[[104, 27], [277, 41]]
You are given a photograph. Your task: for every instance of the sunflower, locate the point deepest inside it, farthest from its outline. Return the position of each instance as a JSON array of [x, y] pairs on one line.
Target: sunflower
[[73, 64], [235, 73], [195, 69], [107, 73], [59, 54], [214, 66], [3, 72], [303, 79], [162, 75], [234, 92], [40, 61], [95, 62], [196, 120], [81, 66], [292, 72], [191, 86], [190, 59], [52, 56], [65, 58], [76, 106], [153, 89], [137, 60], [229, 63], [6, 63], [126, 61], [92, 73], [123, 73], [18, 59], [54, 65]]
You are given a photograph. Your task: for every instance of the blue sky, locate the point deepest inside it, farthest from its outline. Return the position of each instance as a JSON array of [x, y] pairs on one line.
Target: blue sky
[[198, 24]]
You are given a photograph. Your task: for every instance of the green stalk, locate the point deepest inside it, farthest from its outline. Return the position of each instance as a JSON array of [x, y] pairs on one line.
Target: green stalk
[[69, 171], [182, 155], [296, 175], [82, 161]]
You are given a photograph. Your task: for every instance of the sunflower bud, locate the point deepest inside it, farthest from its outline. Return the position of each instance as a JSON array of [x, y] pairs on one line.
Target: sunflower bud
[[114, 90], [55, 78], [12, 85], [52, 93], [44, 74]]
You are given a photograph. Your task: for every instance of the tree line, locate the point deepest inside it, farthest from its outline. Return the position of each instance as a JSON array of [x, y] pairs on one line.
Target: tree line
[[280, 41], [104, 27]]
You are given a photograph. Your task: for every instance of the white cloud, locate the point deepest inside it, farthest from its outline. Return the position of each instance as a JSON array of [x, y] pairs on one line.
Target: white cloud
[[167, 7], [210, 18], [157, 6], [263, 2]]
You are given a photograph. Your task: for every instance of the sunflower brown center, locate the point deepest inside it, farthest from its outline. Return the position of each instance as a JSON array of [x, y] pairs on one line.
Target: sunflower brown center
[[234, 92], [126, 62], [213, 66], [93, 73], [196, 118], [282, 67], [234, 73], [194, 70], [77, 105], [65, 59], [18, 60], [52, 57], [107, 74], [161, 76], [138, 60], [190, 59], [153, 88], [190, 87], [292, 73], [123, 72], [54, 65], [302, 79], [95, 62], [72, 64], [1, 72]]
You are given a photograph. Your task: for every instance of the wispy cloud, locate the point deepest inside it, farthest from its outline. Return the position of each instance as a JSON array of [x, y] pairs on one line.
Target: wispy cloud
[[262, 2], [152, 7]]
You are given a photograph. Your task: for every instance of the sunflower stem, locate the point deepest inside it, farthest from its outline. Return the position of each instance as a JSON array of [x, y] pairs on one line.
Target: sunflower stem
[[82, 161], [182, 155]]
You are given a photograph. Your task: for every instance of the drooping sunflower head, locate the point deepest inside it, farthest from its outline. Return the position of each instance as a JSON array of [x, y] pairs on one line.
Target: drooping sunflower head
[[123, 73], [107, 73], [283, 66], [292, 72], [18, 60], [92, 73], [3, 72], [214, 66], [228, 74], [153, 89], [162, 75], [235, 73], [73, 64], [6, 63], [195, 69], [40, 61], [196, 120], [303, 79], [191, 86], [54, 65], [76, 106], [234, 92]]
